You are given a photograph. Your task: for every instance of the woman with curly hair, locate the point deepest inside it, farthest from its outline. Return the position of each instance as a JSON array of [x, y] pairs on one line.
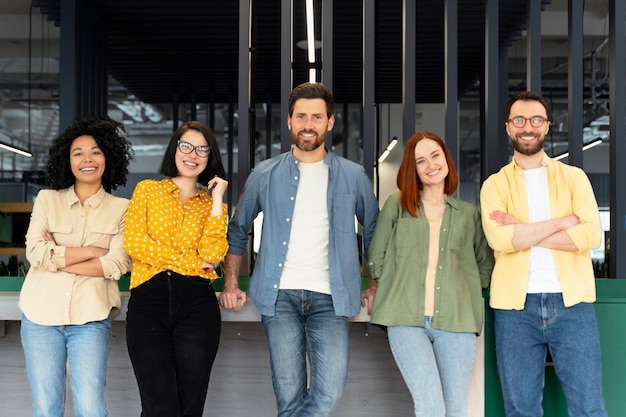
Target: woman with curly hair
[[75, 247], [175, 232]]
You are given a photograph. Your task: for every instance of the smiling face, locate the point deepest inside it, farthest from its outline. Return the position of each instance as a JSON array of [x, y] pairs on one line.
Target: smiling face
[[309, 125], [87, 160], [430, 162], [527, 140], [190, 165]]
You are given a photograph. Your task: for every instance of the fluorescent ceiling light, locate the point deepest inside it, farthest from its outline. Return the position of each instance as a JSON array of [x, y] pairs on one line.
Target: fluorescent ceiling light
[[310, 31], [392, 144], [12, 148], [590, 145]]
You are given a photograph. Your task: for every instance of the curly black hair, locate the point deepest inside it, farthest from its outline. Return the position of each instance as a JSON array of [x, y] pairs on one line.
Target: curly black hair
[[109, 135]]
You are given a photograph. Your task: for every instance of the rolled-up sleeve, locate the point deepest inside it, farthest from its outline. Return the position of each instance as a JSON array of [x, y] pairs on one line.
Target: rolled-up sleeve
[[500, 237], [588, 234], [40, 253], [117, 262]]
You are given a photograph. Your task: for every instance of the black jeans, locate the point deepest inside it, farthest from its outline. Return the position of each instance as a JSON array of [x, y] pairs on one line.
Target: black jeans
[[172, 331]]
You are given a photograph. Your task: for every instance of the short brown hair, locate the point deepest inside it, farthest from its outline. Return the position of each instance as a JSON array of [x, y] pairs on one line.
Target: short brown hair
[[527, 96], [311, 91]]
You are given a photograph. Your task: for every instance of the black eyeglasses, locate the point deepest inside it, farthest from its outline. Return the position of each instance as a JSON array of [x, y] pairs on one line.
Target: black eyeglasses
[[520, 121], [201, 151]]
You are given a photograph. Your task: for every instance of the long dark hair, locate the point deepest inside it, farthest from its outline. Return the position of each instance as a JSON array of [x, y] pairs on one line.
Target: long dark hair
[[214, 164]]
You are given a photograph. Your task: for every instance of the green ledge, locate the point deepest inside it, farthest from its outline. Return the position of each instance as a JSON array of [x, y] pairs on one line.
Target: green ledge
[[15, 283]]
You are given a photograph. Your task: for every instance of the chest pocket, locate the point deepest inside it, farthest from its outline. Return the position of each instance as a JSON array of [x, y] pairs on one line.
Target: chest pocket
[[101, 234], [62, 233], [343, 213]]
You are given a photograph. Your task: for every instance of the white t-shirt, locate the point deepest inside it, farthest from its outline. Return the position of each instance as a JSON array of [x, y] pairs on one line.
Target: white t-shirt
[[306, 262], [543, 275]]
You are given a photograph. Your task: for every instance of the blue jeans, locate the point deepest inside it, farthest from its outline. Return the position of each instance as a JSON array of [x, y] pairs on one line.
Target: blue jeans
[[570, 334], [436, 366], [48, 349], [173, 330], [304, 325]]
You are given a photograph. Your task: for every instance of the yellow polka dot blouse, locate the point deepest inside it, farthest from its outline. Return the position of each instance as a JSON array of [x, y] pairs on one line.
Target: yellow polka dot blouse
[[162, 233]]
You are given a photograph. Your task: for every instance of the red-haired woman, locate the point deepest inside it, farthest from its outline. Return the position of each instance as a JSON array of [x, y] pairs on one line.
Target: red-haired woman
[[432, 260]]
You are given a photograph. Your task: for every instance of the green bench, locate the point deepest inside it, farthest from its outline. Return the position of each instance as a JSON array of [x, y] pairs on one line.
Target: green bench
[[10, 288]]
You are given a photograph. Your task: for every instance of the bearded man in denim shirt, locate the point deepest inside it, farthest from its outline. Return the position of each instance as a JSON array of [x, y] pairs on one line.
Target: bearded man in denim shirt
[[306, 281]]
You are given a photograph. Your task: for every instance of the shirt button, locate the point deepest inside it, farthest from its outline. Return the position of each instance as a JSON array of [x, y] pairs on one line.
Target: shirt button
[[284, 243], [438, 287], [287, 219], [67, 294], [275, 286], [444, 229], [440, 267], [295, 178], [292, 198], [280, 265], [437, 311]]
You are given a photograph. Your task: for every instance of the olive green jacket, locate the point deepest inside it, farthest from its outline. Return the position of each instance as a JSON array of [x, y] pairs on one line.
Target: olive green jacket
[[398, 256]]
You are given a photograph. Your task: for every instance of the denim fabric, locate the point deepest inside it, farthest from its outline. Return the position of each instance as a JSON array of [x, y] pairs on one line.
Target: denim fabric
[[436, 366], [172, 332], [523, 337], [305, 325], [48, 349], [271, 188]]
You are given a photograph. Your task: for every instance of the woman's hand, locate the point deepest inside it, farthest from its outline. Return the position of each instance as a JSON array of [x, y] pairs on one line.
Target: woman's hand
[[207, 267], [47, 236], [218, 187], [368, 295]]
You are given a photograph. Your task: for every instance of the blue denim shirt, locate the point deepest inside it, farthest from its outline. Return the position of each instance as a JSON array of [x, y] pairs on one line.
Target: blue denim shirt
[[271, 188]]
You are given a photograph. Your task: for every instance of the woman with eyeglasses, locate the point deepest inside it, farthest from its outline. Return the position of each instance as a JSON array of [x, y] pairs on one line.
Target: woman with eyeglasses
[[175, 233]]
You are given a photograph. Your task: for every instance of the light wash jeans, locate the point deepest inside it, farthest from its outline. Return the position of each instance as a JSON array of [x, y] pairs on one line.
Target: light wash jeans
[[436, 366], [522, 341], [49, 348], [304, 325]]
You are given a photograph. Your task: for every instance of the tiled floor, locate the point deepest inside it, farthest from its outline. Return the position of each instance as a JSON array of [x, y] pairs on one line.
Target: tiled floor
[[240, 383]]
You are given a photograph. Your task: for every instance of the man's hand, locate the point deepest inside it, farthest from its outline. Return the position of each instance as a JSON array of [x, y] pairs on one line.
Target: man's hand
[[232, 298], [570, 221], [502, 218]]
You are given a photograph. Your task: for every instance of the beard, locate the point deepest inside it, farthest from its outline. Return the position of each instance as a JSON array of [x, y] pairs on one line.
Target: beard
[[307, 146], [520, 145]]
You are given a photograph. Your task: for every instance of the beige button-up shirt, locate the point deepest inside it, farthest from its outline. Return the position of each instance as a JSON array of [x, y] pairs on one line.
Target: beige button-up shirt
[[50, 296]]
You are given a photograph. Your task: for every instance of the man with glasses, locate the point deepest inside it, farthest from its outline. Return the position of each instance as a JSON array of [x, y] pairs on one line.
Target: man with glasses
[[541, 218], [306, 280]]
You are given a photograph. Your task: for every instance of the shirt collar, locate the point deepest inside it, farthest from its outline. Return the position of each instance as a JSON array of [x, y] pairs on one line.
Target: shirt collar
[[546, 161], [93, 201], [172, 188]]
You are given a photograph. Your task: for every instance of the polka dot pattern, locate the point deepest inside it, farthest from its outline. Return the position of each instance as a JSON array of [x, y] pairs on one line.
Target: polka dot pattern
[[161, 233]]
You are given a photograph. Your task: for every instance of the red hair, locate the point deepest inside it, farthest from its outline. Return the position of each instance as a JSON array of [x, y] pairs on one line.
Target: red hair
[[408, 181]]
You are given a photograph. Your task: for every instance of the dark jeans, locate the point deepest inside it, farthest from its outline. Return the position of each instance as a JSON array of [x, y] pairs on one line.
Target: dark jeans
[[172, 332]]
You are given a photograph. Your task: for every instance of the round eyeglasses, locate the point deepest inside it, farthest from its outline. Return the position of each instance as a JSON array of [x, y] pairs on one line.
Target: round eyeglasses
[[520, 121], [186, 147]]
